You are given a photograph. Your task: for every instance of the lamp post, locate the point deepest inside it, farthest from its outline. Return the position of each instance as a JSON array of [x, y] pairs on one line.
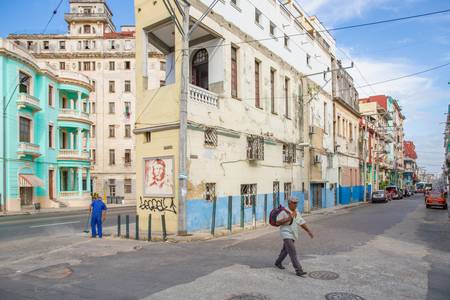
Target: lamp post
[[5, 107]]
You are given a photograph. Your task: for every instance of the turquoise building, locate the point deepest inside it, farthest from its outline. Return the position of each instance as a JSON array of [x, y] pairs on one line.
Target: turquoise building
[[45, 133]]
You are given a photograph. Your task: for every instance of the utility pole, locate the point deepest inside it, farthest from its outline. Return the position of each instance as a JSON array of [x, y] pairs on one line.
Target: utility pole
[[365, 155]]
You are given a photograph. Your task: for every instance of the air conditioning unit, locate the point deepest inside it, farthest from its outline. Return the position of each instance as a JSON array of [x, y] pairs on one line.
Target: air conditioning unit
[[311, 130], [317, 159]]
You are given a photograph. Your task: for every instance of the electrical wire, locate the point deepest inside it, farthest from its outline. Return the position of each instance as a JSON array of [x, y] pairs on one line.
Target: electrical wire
[[55, 11]]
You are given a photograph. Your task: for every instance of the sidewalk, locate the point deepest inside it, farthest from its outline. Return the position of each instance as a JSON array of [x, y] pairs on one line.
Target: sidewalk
[[59, 210], [219, 232]]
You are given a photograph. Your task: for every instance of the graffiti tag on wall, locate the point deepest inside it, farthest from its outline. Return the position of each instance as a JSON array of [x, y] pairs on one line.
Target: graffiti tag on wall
[[158, 204]]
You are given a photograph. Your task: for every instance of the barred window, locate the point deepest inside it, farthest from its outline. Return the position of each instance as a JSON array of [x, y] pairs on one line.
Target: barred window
[[210, 191], [255, 148], [210, 137], [289, 153], [127, 186], [287, 191], [248, 193]]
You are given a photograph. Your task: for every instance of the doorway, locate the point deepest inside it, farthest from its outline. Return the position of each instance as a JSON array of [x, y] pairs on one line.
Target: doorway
[[51, 191], [316, 193], [200, 69], [26, 196]]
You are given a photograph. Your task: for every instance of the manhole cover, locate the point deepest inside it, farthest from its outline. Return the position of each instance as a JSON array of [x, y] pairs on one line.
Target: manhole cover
[[52, 272], [342, 296], [323, 275], [249, 297]]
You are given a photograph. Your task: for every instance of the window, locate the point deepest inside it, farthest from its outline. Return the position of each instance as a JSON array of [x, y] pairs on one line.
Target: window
[[272, 29], [62, 65], [255, 148], [162, 65], [248, 194], [287, 191], [234, 73], [127, 65], [286, 97], [93, 65], [112, 131], [308, 59], [148, 137], [87, 29], [162, 83], [286, 41], [257, 85], [112, 45], [93, 131], [127, 130], [62, 45], [257, 16], [112, 186], [127, 86], [112, 86], [86, 45], [25, 130], [200, 72], [351, 132], [50, 95], [93, 85], [210, 137], [93, 156], [112, 157], [325, 119], [112, 107], [29, 45], [127, 158], [127, 186], [46, 45], [127, 109], [210, 191], [92, 110], [79, 66], [289, 153], [87, 65], [112, 66], [338, 125], [272, 91], [25, 83], [50, 136], [276, 193]]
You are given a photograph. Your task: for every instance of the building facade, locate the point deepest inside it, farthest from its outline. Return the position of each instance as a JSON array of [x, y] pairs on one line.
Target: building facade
[[259, 126], [410, 175], [346, 136], [45, 133], [94, 48]]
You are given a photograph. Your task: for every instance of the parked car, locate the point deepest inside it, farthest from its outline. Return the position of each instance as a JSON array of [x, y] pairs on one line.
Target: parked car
[[394, 192], [379, 196], [435, 198]]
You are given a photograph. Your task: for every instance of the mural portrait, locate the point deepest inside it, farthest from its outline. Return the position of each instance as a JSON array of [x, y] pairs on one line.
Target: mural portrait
[[158, 177]]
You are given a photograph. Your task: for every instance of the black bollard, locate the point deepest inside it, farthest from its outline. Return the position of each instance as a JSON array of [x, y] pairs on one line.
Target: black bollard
[[118, 225], [163, 221], [149, 229], [137, 227], [127, 226]]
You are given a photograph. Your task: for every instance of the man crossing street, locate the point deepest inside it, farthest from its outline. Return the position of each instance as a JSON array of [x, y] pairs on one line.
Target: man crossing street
[[98, 216]]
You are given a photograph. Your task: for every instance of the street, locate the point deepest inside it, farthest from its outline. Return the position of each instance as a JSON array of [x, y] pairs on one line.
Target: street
[[397, 250]]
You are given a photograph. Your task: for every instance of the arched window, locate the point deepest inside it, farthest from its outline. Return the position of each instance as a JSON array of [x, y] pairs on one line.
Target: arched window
[[200, 69]]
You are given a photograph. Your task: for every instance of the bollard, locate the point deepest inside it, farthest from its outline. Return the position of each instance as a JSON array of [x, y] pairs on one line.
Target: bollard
[[265, 209], [213, 220], [137, 227], [254, 211], [230, 211], [118, 225], [163, 221], [149, 229], [127, 227], [242, 211]]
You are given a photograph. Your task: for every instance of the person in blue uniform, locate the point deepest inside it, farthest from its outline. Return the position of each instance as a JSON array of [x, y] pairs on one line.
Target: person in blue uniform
[[98, 216]]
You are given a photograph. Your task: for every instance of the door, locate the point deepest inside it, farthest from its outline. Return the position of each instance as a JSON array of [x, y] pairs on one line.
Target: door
[[26, 196], [51, 192], [316, 196]]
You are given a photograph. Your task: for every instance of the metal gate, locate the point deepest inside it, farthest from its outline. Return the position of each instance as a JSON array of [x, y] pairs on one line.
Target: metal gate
[[26, 196], [276, 194], [316, 191]]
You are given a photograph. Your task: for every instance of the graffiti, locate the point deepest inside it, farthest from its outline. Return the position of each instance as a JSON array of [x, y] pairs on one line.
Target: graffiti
[[158, 204]]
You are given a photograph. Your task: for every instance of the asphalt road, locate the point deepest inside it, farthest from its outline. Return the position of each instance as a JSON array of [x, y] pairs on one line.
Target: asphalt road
[[397, 250], [46, 224]]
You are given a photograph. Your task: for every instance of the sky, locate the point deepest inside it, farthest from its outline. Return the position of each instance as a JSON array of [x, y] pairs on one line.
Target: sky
[[379, 52]]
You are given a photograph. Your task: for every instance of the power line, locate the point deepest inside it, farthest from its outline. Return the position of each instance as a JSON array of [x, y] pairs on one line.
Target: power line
[[55, 11]]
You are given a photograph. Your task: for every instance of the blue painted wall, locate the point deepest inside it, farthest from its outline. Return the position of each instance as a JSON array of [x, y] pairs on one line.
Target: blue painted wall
[[353, 194]]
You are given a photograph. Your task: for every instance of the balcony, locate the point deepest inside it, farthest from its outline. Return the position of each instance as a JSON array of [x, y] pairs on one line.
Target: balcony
[[28, 149], [28, 101], [67, 114], [69, 154], [69, 17], [200, 95]]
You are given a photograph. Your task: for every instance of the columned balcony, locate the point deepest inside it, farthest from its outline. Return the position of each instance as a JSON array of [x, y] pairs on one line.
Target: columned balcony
[[71, 154], [200, 95], [28, 101], [28, 149], [69, 114]]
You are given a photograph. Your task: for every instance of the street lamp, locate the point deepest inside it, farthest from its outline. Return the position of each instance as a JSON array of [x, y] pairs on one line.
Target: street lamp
[[5, 107]]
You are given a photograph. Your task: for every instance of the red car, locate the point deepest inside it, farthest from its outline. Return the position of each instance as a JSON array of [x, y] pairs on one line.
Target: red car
[[435, 198]]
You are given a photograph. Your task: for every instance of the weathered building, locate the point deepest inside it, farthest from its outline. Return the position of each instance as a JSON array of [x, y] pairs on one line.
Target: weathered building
[[258, 129], [410, 176]]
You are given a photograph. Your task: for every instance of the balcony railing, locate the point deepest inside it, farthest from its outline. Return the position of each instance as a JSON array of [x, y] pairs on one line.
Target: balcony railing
[[73, 154], [26, 100], [71, 16], [28, 149], [74, 114], [199, 94]]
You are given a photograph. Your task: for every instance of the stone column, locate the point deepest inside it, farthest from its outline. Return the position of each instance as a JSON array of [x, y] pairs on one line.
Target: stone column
[[79, 141], [80, 181], [79, 103], [88, 180], [88, 140]]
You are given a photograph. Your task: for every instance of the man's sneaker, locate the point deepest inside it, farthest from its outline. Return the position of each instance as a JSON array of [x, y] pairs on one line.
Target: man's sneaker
[[279, 266], [300, 273]]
